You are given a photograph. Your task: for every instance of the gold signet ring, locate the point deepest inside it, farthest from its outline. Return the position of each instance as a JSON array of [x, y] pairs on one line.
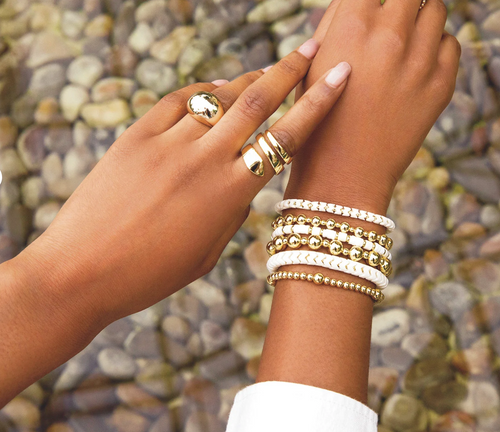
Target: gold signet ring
[[205, 107]]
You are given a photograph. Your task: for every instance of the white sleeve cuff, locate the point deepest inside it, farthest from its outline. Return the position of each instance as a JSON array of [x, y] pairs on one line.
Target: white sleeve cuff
[[274, 406]]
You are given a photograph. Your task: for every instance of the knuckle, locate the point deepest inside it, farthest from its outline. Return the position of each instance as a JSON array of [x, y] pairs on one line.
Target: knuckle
[[254, 102], [290, 65], [286, 138], [313, 103], [175, 99], [394, 39], [442, 10]]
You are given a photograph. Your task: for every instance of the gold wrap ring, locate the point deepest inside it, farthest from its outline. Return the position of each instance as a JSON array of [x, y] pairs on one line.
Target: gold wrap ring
[[205, 107]]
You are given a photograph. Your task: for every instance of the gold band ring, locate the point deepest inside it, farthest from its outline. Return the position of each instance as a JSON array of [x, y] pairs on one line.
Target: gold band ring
[[205, 107], [271, 155], [278, 147], [253, 161]]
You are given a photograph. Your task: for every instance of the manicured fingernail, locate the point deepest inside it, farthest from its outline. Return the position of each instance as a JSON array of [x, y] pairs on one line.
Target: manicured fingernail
[[267, 68], [220, 82], [338, 74], [309, 48]]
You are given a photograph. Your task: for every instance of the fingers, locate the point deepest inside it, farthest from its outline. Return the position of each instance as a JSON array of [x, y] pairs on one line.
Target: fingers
[[293, 129], [261, 99], [401, 14], [430, 25], [449, 54], [227, 95], [320, 33]]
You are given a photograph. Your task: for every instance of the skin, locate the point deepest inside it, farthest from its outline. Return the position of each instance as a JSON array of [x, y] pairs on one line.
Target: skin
[[404, 71], [152, 216]]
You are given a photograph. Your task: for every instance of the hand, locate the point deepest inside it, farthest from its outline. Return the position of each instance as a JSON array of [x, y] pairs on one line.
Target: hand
[[404, 71]]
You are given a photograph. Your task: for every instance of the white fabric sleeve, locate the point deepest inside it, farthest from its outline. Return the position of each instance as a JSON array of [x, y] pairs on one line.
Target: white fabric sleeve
[[275, 406]]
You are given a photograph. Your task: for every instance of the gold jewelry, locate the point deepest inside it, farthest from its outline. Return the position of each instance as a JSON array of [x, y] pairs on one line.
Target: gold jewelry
[[205, 107], [271, 155], [319, 279], [422, 4], [278, 147], [253, 160], [331, 224]]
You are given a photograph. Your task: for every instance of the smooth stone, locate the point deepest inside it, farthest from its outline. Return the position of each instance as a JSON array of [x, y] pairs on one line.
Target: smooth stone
[[482, 274], [77, 162], [213, 336], [289, 25], [482, 398], [59, 138], [214, 29], [196, 52], [73, 23], [106, 114], [127, 420], [47, 111], [46, 48], [426, 373], [149, 10], [201, 421], [11, 165], [168, 49], [246, 297], [439, 178], [425, 345], [145, 343], [225, 67], [468, 33], [272, 10], [435, 265], [454, 421], [33, 191], [256, 258], [491, 247], [45, 214], [259, 56], [85, 71], [490, 217], [63, 187], [8, 132], [122, 61], [95, 394], [451, 299], [52, 168], [142, 101], [290, 44], [188, 307], [252, 367], [265, 201], [23, 413], [44, 16], [114, 334], [476, 360], [117, 364], [10, 193], [72, 98], [158, 378], [247, 337], [47, 81], [403, 413], [8, 248], [492, 23], [101, 26], [76, 370], [31, 147], [194, 345], [494, 71], [176, 327], [265, 308], [113, 88], [147, 318], [137, 399], [202, 393], [34, 393], [141, 38], [383, 381], [23, 110], [463, 207], [309, 4], [206, 292], [389, 327], [176, 353], [468, 230], [418, 297], [125, 22], [222, 365], [164, 423], [222, 314], [444, 397], [156, 76]]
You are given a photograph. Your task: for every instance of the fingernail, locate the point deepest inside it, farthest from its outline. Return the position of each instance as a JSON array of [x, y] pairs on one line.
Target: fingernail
[[220, 82], [267, 68], [338, 74], [309, 48]]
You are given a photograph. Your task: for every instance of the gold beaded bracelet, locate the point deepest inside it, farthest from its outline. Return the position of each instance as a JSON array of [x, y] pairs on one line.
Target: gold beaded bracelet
[[355, 253], [344, 227], [319, 279]]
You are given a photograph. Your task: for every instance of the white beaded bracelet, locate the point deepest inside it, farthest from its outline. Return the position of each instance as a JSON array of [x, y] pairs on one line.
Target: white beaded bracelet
[[336, 209], [327, 261], [332, 235]]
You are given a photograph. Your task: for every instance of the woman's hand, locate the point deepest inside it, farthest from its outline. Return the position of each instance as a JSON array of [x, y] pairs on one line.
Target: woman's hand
[[152, 216], [404, 70]]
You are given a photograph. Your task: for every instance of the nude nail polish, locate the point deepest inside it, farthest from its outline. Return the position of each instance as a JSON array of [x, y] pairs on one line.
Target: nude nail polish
[[338, 74], [220, 82], [267, 68], [309, 48]]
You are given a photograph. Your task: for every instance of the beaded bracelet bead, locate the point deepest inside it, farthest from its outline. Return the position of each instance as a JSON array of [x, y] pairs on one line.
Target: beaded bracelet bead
[[335, 247], [291, 230], [331, 224], [336, 209], [327, 261], [319, 279]]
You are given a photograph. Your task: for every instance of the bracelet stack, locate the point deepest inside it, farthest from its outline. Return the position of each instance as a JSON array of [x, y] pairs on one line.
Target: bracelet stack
[[347, 249]]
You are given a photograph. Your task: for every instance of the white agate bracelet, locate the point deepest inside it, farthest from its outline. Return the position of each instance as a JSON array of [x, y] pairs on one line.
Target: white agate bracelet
[[336, 209], [327, 261], [332, 235]]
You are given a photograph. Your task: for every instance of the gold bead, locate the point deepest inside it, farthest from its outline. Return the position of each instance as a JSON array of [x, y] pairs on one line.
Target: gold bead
[[314, 242], [327, 280], [310, 277], [303, 241], [330, 224], [316, 221], [345, 251], [340, 284], [357, 287], [301, 219], [326, 243], [347, 285], [293, 241], [385, 265], [278, 243], [290, 275], [308, 220], [289, 219], [374, 258], [273, 224], [344, 227], [368, 291], [356, 253], [389, 272], [280, 221], [383, 240], [366, 254], [372, 236], [358, 232], [296, 276], [363, 289], [336, 247], [389, 243], [271, 249], [269, 280], [303, 276], [352, 286], [318, 279], [333, 282]]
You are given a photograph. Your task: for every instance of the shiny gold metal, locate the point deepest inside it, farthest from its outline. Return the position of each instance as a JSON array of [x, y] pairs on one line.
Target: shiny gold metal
[[270, 154], [374, 258], [315, 242], [253, 161], [318, 279], [356, 253], [278, 147], [336, 247], [294, 241], [205, 107]]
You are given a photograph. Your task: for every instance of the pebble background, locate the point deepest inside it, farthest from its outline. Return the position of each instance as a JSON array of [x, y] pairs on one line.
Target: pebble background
[[75, 73]]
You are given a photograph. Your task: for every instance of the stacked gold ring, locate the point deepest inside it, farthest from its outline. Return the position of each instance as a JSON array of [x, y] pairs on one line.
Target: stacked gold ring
[[271, 148]]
